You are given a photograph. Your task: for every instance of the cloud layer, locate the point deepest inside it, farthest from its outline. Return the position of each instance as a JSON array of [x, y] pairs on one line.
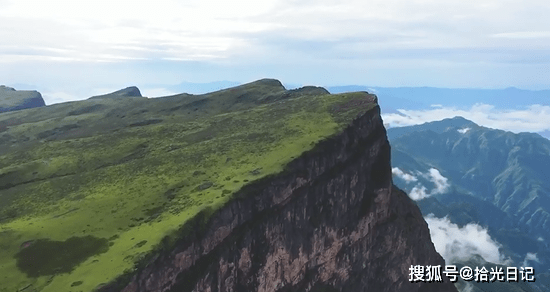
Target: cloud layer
[[459, 244], [534, 118], [443, 43], [530, 258]]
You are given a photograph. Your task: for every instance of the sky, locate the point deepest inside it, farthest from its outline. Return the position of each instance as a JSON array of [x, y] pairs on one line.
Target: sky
[[71, 50]]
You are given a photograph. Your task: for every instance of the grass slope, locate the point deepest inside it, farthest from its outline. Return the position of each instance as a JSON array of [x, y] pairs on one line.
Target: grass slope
[[89, 188]]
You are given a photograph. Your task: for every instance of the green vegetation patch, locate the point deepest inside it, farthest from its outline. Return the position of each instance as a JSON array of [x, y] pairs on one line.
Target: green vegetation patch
[[134, 171], [43, 257]]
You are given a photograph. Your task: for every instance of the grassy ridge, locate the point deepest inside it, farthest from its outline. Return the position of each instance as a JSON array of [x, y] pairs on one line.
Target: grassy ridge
[[85, 196]]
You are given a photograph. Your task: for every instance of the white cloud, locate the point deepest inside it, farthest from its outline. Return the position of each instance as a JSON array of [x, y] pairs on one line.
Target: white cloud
[[183, 30], [58, 97], [443, 43], [74, 93], [440, 182], [523, 35], [456, 243], [109, 31], [418, 192], [534, 118], [464, 131], [404, 176], [530, 257], [157, 92], [540, 239], [80, 93]]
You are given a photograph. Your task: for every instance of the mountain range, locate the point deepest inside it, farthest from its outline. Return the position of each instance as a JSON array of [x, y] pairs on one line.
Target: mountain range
[[471, 174]]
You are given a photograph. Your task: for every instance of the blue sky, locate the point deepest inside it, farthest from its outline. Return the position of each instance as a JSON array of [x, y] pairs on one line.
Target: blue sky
[[71, 50]]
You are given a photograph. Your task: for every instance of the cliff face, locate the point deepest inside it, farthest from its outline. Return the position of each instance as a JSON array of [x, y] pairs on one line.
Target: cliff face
[[332, 221]]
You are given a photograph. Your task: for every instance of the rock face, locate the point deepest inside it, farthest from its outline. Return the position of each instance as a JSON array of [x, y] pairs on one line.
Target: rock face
[[131, 91], [332, 221], [11, 99]]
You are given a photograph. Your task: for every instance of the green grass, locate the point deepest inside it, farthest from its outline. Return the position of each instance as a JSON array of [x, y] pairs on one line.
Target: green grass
[[108, 193]]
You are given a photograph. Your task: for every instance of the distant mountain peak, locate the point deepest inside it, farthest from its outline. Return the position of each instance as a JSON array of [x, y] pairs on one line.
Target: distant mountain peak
[[457, 120], [7, 88], [457, 123], [11, 99], [131, 91], [266, 82]]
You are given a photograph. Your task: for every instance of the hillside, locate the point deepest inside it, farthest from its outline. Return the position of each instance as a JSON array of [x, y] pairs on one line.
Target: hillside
[[94, 192]]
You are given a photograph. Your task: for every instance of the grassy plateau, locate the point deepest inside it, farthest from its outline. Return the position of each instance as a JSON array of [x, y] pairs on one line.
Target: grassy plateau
[[88, 188]]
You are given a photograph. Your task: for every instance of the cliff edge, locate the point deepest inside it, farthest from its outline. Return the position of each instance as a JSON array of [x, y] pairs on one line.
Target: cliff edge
[[11, 99], [332, 221]]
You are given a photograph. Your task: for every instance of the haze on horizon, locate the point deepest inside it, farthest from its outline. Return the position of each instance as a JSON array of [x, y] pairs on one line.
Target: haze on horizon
[[71, 50]]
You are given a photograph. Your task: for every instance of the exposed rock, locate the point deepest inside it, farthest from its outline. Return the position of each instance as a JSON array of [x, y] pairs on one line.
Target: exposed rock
[[198, 172], [332, 221], [11, 99], [131, 91], [205, 186], [256, 171]]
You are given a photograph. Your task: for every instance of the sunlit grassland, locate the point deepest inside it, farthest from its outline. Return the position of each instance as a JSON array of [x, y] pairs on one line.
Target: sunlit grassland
[[130, 187]]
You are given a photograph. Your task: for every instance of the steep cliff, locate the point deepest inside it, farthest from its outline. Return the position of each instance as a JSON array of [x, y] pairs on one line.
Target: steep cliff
[[332, 221]]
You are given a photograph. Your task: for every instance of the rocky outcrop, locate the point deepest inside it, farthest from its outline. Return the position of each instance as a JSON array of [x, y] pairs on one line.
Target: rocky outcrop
[[313, 90], [131, 91], [11, 99], [332, 221]]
